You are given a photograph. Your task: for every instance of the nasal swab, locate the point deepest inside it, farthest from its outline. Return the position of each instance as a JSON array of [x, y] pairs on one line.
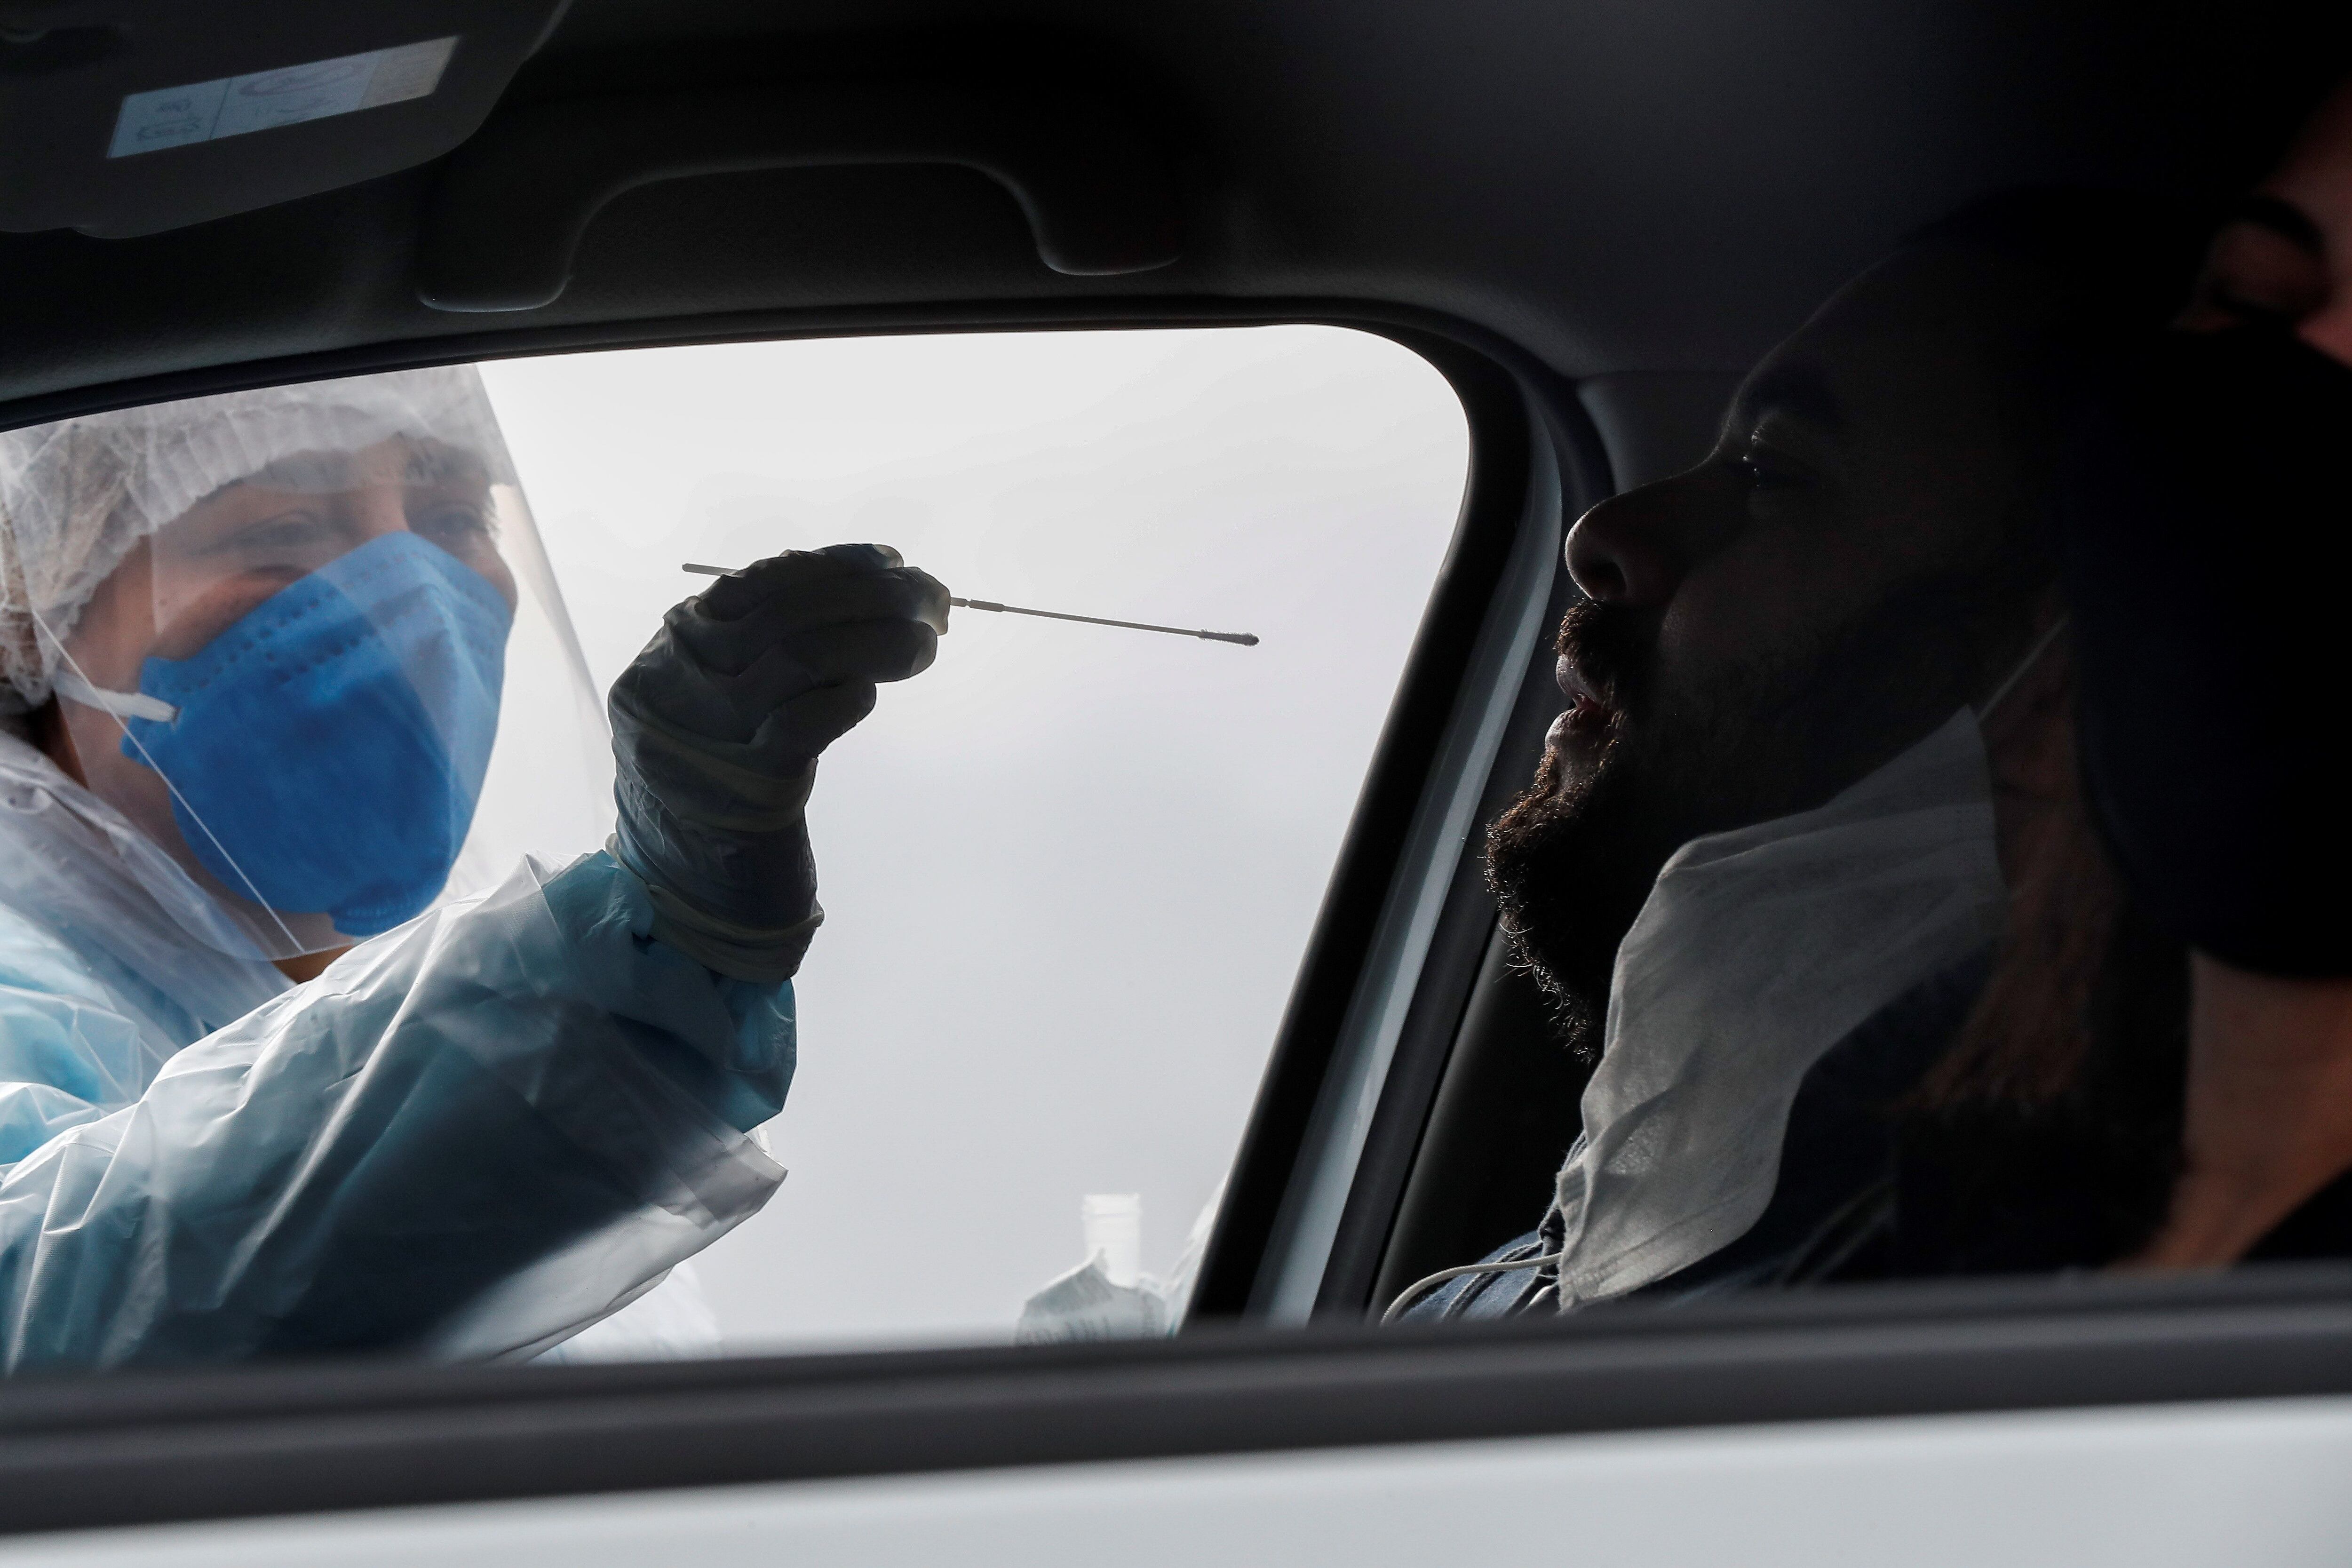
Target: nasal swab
[[1247, 639]]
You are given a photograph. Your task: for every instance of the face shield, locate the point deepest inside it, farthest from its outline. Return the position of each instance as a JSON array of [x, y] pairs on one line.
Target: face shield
[[306, 641]]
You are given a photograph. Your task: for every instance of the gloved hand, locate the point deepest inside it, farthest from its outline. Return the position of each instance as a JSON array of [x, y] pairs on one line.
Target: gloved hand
[[717, 728]]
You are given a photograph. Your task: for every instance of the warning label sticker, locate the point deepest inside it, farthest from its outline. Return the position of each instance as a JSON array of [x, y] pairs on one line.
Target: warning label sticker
[[208, 110]]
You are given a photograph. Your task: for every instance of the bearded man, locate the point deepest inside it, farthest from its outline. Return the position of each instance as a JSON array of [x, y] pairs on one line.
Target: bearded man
[[1808, 865]]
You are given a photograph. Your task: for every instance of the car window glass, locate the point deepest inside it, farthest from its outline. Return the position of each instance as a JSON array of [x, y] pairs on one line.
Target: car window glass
[[1068, 872], [320, 892]]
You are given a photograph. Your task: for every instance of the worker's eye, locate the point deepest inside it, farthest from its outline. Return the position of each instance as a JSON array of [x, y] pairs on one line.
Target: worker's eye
[[275, 536]]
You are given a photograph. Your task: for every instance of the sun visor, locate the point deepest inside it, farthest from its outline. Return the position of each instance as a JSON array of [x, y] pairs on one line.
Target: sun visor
[[122, 118]]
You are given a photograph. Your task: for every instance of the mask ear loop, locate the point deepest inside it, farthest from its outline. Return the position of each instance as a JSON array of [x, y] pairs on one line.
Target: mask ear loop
[[68, 682], [2024, 667], [293, 943]]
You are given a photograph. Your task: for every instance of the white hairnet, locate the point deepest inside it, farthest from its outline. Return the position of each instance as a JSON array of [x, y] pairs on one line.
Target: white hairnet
[[76, 495]]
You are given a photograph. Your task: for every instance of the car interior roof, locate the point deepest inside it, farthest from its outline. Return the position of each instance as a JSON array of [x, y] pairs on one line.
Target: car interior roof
[[1615, 186]]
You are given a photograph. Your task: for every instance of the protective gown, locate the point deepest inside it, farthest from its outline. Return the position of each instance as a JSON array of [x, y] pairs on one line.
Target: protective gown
[[469, 1137]]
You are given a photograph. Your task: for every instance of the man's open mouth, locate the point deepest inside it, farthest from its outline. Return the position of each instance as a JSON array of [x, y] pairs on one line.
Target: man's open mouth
[[1587, 712]]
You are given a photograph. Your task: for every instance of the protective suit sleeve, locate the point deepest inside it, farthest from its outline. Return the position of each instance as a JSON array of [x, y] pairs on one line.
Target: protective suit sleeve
[[67, 1054], [471, 1136]]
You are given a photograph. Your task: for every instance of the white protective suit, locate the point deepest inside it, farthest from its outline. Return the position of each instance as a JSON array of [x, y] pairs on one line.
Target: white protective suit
[[471, 1136]]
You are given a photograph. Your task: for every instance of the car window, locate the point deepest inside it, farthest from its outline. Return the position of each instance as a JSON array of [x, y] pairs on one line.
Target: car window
[[1069, 871], [330, 680]]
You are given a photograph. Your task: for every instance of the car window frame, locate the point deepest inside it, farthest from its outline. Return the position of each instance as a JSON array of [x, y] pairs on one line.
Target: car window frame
[[1536, 460], [1406, 918]]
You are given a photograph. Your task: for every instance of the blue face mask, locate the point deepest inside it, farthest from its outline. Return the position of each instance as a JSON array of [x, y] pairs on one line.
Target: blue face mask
[[329, 747]]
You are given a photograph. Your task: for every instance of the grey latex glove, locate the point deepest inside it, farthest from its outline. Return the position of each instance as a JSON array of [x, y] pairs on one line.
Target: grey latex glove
[[717, 728]]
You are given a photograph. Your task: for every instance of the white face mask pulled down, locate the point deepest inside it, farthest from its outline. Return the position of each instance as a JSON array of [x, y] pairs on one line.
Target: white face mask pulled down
[[1757, 952]]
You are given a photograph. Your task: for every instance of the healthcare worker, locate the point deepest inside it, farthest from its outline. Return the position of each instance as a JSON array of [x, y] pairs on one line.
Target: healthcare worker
[[268, 1083]]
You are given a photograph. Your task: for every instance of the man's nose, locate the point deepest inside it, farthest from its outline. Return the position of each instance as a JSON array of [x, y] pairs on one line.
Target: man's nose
[[1635, 548], [378, 509]]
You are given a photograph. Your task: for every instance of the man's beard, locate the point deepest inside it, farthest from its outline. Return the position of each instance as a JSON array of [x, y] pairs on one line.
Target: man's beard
[[1572, 860]]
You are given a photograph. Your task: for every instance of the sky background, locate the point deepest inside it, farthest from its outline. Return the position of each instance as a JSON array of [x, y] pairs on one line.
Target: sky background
[[1069, 872]]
